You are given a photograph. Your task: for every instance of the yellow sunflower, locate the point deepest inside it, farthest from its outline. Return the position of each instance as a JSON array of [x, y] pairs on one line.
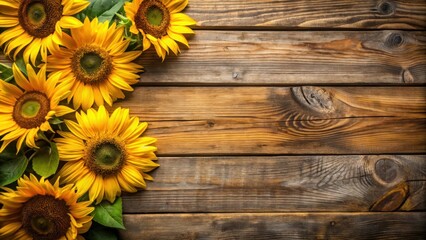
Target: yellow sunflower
[[161, 23], [40, 210], [26, 110], [36, 25], [95, 63], [106, 154]]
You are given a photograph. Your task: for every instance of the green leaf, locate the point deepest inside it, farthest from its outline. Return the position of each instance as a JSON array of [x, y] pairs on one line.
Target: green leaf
[[110, 14], [21, 65], [103, 9], [55, 121], [12, 166], [109, 215], [99, 232], [84, 198], [46, 160], [6, 73]]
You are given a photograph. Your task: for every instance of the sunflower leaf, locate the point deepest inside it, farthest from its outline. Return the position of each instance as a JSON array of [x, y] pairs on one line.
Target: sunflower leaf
[[55, 121], [21, 65], [109, 215], [12, 166], [46, 160], [99, 232], [103, 9], [6, 73], [110, 14]]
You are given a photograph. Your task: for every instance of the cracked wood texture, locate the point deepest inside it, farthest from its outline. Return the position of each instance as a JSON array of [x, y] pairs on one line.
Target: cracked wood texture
[[282, 120], [284, 14], [284, 184], [287, 120], [266, 226], [294, 57]]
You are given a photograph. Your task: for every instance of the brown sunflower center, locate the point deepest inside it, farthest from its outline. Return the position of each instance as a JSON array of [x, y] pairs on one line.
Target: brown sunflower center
[[31, 109], [153, 18], [105, 157], [39, 17], [45, 217], [91, 64]]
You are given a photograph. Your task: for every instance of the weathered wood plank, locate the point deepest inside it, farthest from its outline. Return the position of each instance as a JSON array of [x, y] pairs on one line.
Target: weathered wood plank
[[284, 184], [386, 226], [281, 120], [371, 14], [293, 58]]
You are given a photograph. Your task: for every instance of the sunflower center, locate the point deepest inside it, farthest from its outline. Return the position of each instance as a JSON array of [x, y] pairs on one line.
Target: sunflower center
[[45, 217], [36, 13], [106, 157], [154, 15], [31, 109], [39, 17], [91, 64], [153, 18]]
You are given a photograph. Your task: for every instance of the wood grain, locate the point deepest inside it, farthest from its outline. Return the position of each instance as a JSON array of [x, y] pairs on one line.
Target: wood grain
[[283, 14], [290, 57], [266, 226], [283, 184], [282, 120]]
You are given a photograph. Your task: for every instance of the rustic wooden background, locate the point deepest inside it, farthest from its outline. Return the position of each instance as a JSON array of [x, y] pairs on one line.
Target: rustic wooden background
[[288, 120]]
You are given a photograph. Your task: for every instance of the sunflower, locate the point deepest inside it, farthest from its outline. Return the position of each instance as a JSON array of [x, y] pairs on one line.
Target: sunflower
[[36, 25], [160, 23], [40, 210], [95, 63], [106, 154], [24, 112]]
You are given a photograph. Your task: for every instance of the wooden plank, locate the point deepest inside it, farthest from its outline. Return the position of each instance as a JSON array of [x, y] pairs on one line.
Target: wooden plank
[[293, 58], [284, 184], [371, 14], [266, 226], [282, 120]]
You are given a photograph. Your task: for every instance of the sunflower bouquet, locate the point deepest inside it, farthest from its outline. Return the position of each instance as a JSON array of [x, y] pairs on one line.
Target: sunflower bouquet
[[66, 154]]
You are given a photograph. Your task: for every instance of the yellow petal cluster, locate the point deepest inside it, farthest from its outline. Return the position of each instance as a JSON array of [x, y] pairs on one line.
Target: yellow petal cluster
[[116, 74], [94, 132], [22, 35], [10, 95], [174, 29], [16, 205]]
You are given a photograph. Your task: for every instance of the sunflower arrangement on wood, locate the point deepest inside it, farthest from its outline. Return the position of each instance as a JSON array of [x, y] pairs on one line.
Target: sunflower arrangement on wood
[[66, 154]]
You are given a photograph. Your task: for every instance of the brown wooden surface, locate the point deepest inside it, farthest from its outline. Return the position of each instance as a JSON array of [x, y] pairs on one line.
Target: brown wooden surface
[[283, 14], [282, 120], [287, 120], [293, 57], [266, 226], [283, 183]]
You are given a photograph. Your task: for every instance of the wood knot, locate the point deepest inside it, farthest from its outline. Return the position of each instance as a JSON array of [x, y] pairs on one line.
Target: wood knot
[[315, 98], [387, 170], [407, 77], [386, 8], [394, 40], [392, 200]]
